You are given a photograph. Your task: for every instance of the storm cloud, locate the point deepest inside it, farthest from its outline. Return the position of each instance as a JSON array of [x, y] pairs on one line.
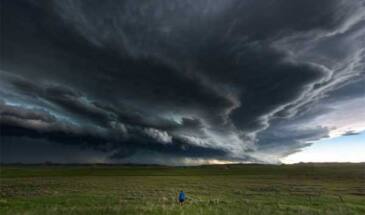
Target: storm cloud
[[178, 81]]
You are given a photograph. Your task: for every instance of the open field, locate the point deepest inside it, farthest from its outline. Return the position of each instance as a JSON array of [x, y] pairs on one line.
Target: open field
[[229, 189]]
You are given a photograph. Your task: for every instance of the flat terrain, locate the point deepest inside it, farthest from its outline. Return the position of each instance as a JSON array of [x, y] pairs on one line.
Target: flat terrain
[[229, 189]]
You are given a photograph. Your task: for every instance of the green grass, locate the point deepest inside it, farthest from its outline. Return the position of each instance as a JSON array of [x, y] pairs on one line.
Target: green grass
[[230, 189]]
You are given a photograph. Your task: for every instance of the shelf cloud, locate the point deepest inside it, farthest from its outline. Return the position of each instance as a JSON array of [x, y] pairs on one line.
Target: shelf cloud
[[178, 82]]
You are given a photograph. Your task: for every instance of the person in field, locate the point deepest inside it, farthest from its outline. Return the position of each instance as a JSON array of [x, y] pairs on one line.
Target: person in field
[[181, 197]]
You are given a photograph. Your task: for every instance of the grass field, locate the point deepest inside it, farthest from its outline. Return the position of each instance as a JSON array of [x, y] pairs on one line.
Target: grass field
[[230, 189]]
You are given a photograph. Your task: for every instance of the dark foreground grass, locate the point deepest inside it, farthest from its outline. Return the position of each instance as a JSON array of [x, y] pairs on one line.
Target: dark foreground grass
[[233, 189]]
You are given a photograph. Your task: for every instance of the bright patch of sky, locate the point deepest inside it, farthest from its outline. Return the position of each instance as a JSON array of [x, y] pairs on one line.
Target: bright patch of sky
[[340, 149]]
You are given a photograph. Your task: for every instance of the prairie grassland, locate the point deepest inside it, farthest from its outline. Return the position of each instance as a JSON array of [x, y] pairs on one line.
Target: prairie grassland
[[229, 189]]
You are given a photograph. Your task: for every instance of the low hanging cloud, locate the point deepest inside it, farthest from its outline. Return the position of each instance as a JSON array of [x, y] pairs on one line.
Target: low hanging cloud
[[178, 81]]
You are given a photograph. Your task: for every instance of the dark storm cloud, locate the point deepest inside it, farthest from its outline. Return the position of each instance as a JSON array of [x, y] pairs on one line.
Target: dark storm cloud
[[18, 122], [190, 79], [280, 140], [352, 89]]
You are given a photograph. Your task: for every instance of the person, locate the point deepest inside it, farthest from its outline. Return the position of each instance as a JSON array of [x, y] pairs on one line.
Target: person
[[181, 197]]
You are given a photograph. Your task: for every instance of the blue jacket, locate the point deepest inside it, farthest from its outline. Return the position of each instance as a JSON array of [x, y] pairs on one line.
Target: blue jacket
[[181, 196]]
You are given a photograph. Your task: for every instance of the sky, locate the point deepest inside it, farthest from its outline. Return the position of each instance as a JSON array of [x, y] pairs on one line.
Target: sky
[[349, 148], [182, 82]]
